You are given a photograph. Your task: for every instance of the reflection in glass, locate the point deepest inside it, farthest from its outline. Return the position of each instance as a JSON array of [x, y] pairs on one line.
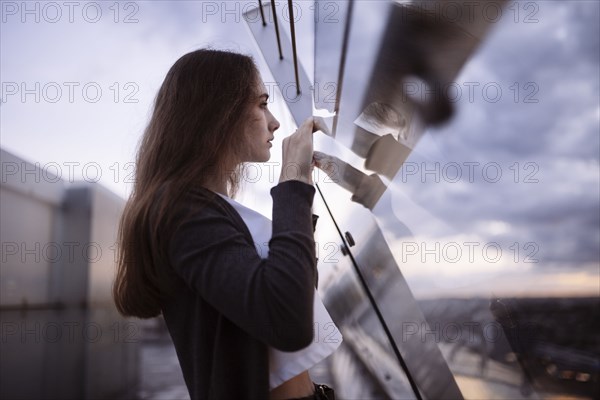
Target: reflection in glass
[[472, 322]]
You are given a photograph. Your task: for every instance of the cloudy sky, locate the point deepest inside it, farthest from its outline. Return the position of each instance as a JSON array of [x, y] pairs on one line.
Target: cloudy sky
[[545, 142], [78, 84]]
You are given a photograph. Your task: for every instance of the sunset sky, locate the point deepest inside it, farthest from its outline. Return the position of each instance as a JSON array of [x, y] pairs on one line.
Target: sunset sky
[[78, 84]]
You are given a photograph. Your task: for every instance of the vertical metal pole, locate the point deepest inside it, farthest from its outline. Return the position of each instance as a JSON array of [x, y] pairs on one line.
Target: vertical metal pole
[[293, 30], [276, 28], [338, 94], [262, 13]]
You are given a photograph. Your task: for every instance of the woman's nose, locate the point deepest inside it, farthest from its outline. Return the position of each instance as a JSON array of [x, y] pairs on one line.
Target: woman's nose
[[274, 125]]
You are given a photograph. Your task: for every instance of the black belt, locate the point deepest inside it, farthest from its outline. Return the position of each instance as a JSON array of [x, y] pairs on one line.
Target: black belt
[[322, 392]]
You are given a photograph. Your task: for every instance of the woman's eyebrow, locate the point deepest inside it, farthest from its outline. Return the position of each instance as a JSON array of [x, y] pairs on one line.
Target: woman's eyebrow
[[265, 95]]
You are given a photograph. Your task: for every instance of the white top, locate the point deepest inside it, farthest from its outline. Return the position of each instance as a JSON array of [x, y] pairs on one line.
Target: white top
[[327, 337]]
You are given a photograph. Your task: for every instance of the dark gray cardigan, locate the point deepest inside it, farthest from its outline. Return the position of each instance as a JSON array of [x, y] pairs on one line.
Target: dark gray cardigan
[[230, 304]]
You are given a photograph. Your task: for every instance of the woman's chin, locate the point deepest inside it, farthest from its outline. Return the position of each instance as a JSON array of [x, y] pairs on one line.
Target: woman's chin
[[259, 159]]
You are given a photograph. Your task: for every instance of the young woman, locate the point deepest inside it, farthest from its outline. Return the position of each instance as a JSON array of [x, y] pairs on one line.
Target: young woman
[[187, 250]]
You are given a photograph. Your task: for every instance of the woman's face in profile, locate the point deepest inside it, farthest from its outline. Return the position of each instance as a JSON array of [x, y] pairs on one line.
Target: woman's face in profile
[[260, 127]]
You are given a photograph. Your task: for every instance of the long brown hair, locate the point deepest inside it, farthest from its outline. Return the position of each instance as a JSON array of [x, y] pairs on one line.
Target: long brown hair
[[195, 132]]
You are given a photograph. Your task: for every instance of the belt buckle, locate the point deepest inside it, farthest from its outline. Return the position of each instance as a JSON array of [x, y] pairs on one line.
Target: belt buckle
[[321, 392]]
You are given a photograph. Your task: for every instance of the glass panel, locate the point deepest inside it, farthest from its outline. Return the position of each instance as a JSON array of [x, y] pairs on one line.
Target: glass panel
[[395, 53], [331, 22], [365, 365], [507, 283], [478, 239]]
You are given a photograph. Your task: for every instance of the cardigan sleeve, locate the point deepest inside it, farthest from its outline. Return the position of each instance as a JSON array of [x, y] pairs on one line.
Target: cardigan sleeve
[[272, 298]]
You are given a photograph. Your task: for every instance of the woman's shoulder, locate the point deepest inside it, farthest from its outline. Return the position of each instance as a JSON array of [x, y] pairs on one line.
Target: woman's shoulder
[[190, 194], [203, 202], [205, 210], [172, 204]]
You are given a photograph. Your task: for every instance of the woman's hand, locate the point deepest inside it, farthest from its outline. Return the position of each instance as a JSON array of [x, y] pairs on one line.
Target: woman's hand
[[297, 157], [339, 171]]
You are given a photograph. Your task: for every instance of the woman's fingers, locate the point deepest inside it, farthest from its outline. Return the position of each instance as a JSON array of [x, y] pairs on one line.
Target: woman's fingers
[[320, 125], [297, 153], [329, 164], [319, 157], [307, 127], [339, 171]]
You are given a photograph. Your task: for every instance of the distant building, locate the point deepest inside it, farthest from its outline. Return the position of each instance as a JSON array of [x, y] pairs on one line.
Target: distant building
[[61, 334]]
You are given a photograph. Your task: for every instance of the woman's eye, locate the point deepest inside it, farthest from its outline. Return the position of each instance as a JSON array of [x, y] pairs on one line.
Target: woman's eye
[[264, 105]]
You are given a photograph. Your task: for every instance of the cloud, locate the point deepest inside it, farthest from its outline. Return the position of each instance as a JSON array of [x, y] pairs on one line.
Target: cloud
[[547, 151], [554, 140]]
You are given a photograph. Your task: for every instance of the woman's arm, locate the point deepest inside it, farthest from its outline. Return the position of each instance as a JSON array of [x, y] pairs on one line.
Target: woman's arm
[[272, 298]]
